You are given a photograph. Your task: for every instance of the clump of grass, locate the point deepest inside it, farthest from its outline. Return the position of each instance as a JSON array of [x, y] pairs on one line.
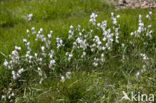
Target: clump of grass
[[46, 13], [97, 44]]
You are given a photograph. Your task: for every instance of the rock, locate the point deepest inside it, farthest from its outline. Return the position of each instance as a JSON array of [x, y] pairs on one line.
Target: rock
[[136, 4]]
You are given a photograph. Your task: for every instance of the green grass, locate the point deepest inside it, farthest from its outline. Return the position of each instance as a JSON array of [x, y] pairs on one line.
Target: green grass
[[104, 85], [47, 14]]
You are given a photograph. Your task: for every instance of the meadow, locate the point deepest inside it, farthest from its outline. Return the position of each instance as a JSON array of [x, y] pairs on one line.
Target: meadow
[[75, 51]]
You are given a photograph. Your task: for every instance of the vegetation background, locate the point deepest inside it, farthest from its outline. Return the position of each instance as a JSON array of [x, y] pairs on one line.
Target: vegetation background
[[87, 85]]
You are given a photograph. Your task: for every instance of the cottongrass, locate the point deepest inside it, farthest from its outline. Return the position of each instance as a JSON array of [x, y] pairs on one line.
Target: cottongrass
[[86, 46]]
